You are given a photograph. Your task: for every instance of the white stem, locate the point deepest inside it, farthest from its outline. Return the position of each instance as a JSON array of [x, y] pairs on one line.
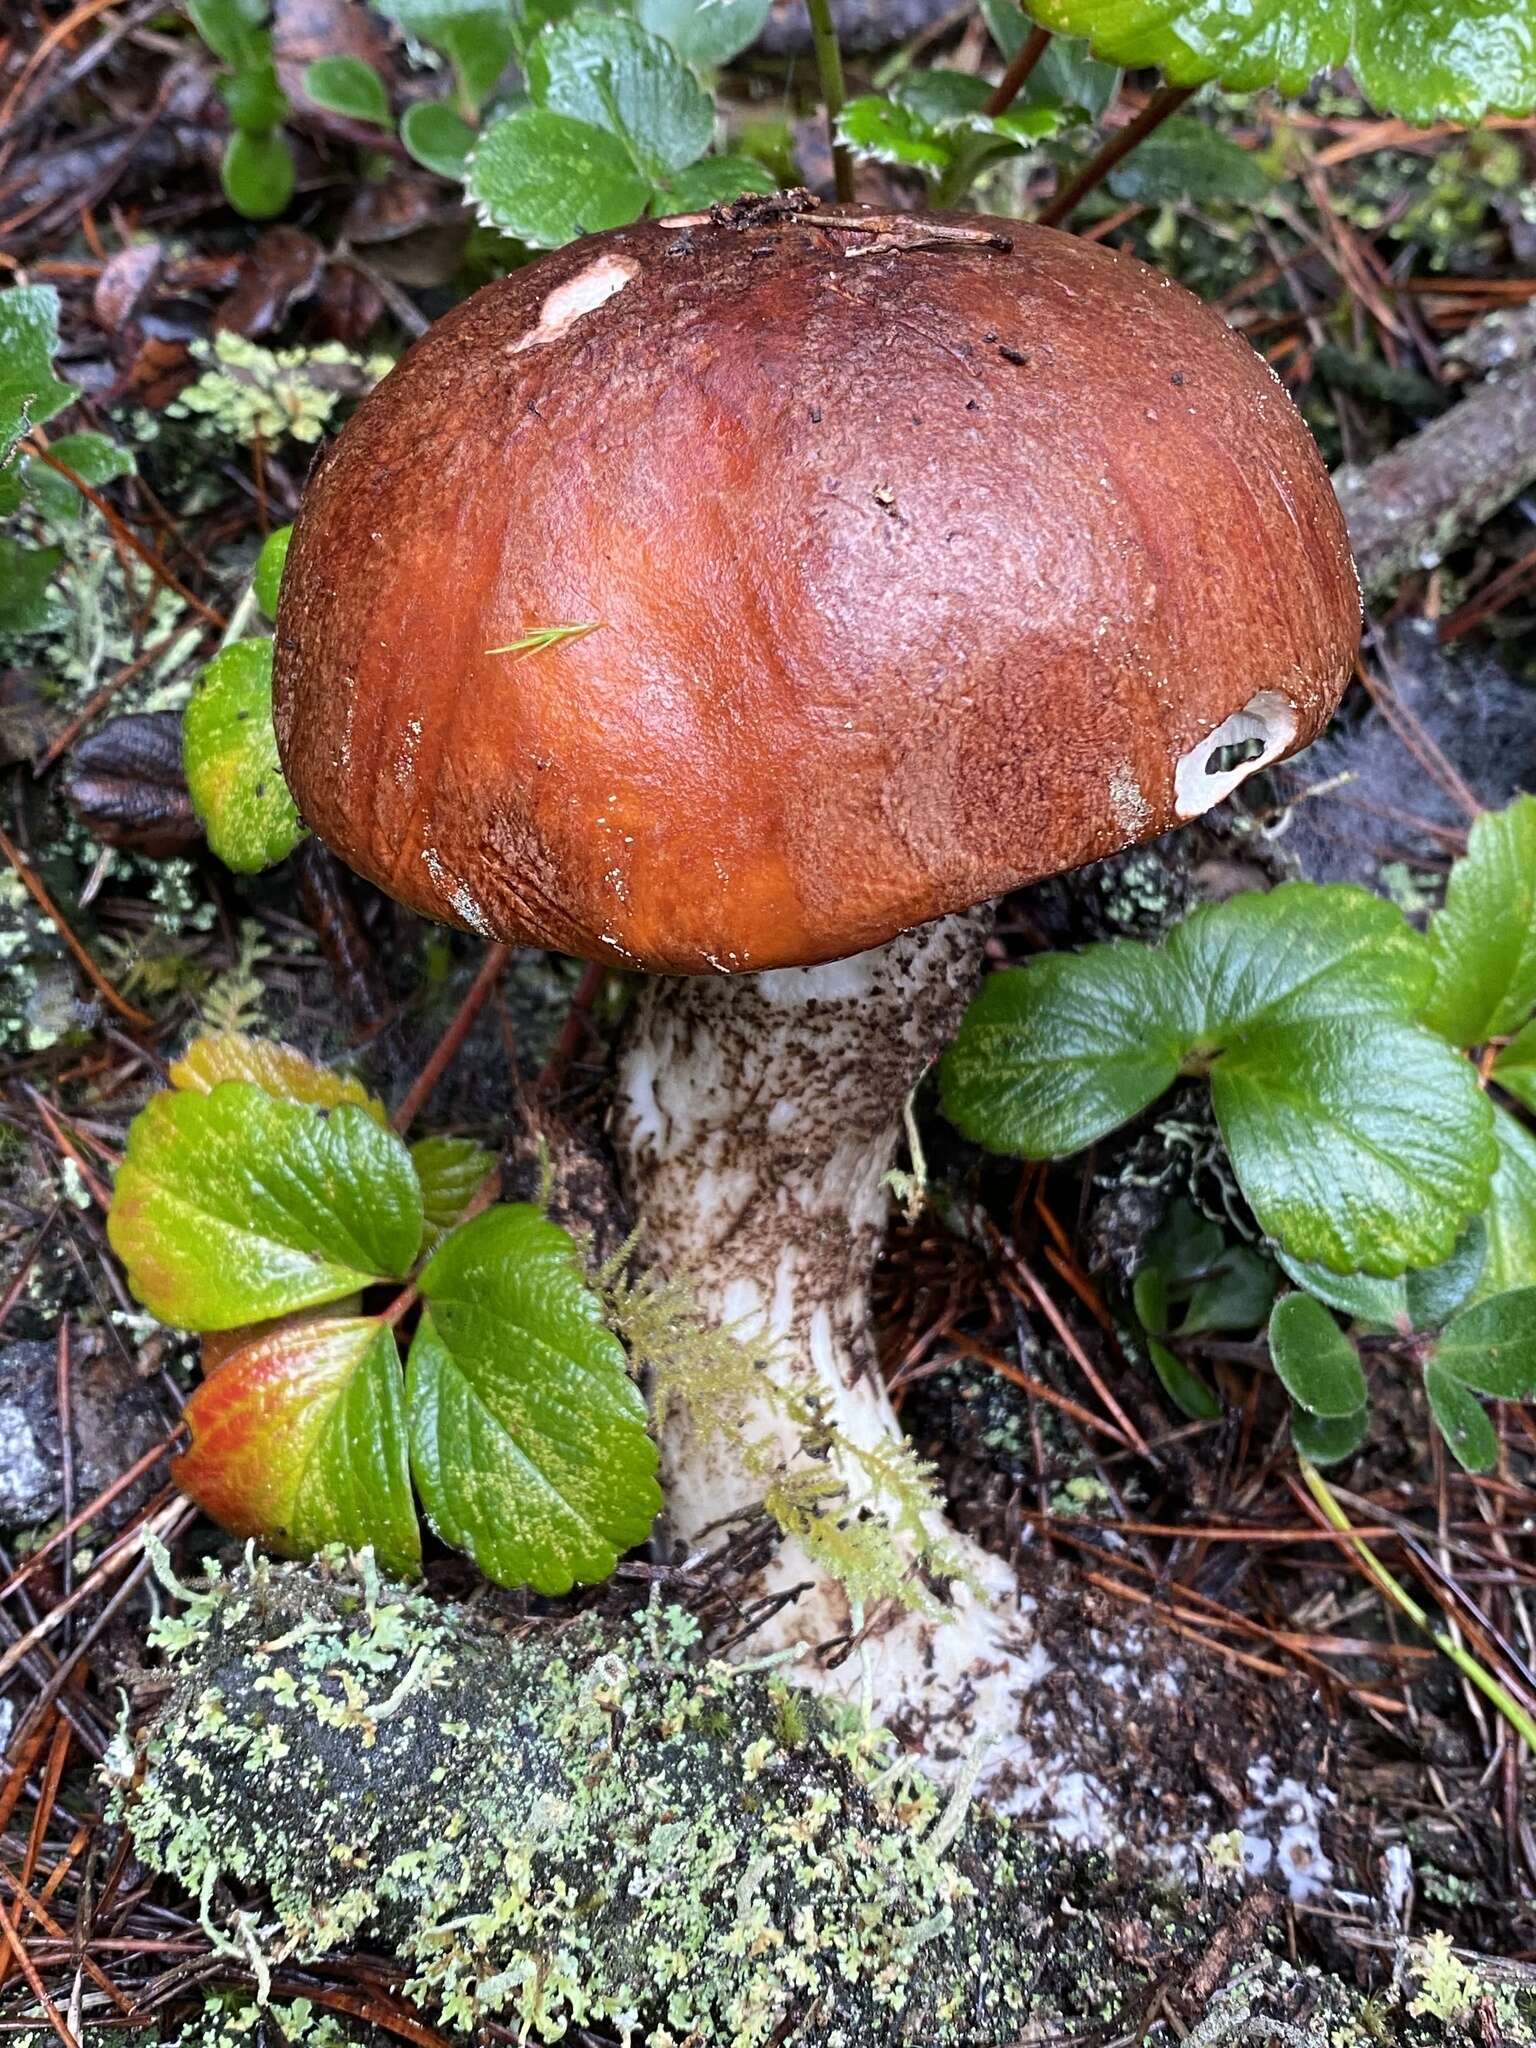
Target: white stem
[[756, 1119]]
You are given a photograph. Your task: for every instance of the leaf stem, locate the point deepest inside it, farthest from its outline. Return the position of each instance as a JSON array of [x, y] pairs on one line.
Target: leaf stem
[[1470, 1669], [1020, 65], [829, 69], [45, 903], [1120, 144]]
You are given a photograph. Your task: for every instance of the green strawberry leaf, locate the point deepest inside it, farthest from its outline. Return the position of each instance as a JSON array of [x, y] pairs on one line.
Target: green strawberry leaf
[[452, 1172], [1462, 1420], [1184, 160], [233, 1207], [1491, 1347], [29, 336], [1324, 1440], [1305, 951], [528, 1437], [606, 70], [1510, 1217], [1362, 1145], [546, 178], [299, 1440], [281, 1070], [266, 579], [1434, 1293], [346, 85], [1053, 1055], [884, 131], [1425, 60], [712, 181], [1187, 1391], [1361, 1141], [477, 40], [1420, 1299], [1378, 1304], [257, 173], [1483, 941], [1314, 1360], [229, 751], [439, 139], [704, 33]]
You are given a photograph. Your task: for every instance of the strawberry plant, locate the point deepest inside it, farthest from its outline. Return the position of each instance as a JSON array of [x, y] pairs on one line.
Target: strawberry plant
[[1366, 1080], [265, 1203], [229, 749], [35, 483]]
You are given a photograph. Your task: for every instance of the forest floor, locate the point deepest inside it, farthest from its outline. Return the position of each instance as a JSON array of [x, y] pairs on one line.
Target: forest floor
[[1008, 1351]]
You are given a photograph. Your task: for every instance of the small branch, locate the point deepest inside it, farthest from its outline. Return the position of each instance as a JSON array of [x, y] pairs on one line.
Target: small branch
[[1411, 506], [492, 968], [125, 536], [1020, 65], [829, 68], [1099, 166], [87, 965]]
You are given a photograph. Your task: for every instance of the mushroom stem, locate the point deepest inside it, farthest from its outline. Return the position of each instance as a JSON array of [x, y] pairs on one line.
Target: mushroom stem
[[757, 1118]]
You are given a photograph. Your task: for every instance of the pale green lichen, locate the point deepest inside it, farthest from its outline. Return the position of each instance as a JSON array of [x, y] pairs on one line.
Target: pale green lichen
[[249, 393], [588, 1823], [579, 1824]]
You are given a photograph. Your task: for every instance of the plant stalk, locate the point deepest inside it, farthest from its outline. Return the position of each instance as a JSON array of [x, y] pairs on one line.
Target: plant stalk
[[1474, 1673], [1119, 145], [1020, 65], [829, 69]]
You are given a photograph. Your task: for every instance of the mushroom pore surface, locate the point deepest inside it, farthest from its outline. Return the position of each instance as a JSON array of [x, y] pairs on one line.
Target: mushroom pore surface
[[902, 574]]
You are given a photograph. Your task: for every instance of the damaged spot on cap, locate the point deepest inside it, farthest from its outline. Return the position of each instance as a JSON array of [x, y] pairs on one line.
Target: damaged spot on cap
[[1239, 747], [578, 296], [1133, 814]]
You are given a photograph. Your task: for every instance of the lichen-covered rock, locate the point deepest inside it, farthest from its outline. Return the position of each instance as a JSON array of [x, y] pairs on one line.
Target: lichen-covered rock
[[589, 1824], [577, 1823]]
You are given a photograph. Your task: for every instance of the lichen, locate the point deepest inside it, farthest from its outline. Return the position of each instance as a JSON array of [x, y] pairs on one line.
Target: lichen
[[559, 1824], [582, 1823], [249, 393]]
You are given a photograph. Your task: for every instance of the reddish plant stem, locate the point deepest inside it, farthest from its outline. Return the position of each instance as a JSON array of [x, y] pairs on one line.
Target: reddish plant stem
[[88, 967], [588, 989], [491, 970], [1099, 166], [1020, 65], [127, 538]]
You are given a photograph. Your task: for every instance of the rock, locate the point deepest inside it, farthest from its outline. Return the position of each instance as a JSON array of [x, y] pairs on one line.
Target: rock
[[116, 1419]]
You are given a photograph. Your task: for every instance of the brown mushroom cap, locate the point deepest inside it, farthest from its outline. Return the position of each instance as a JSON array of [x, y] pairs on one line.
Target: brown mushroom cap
[[907, 574]]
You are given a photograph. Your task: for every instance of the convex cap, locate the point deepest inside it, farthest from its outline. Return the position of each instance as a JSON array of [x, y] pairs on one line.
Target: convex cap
[[735, 591]]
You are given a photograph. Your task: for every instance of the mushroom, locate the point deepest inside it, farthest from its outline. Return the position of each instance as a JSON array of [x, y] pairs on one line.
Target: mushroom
[[749, 599]]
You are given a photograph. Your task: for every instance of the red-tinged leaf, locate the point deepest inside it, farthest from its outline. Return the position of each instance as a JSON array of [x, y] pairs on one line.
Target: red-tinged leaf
[[299, 1440]]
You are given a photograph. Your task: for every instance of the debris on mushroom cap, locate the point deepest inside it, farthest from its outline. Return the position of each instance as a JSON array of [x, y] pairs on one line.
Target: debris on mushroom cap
[[735, 592]]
